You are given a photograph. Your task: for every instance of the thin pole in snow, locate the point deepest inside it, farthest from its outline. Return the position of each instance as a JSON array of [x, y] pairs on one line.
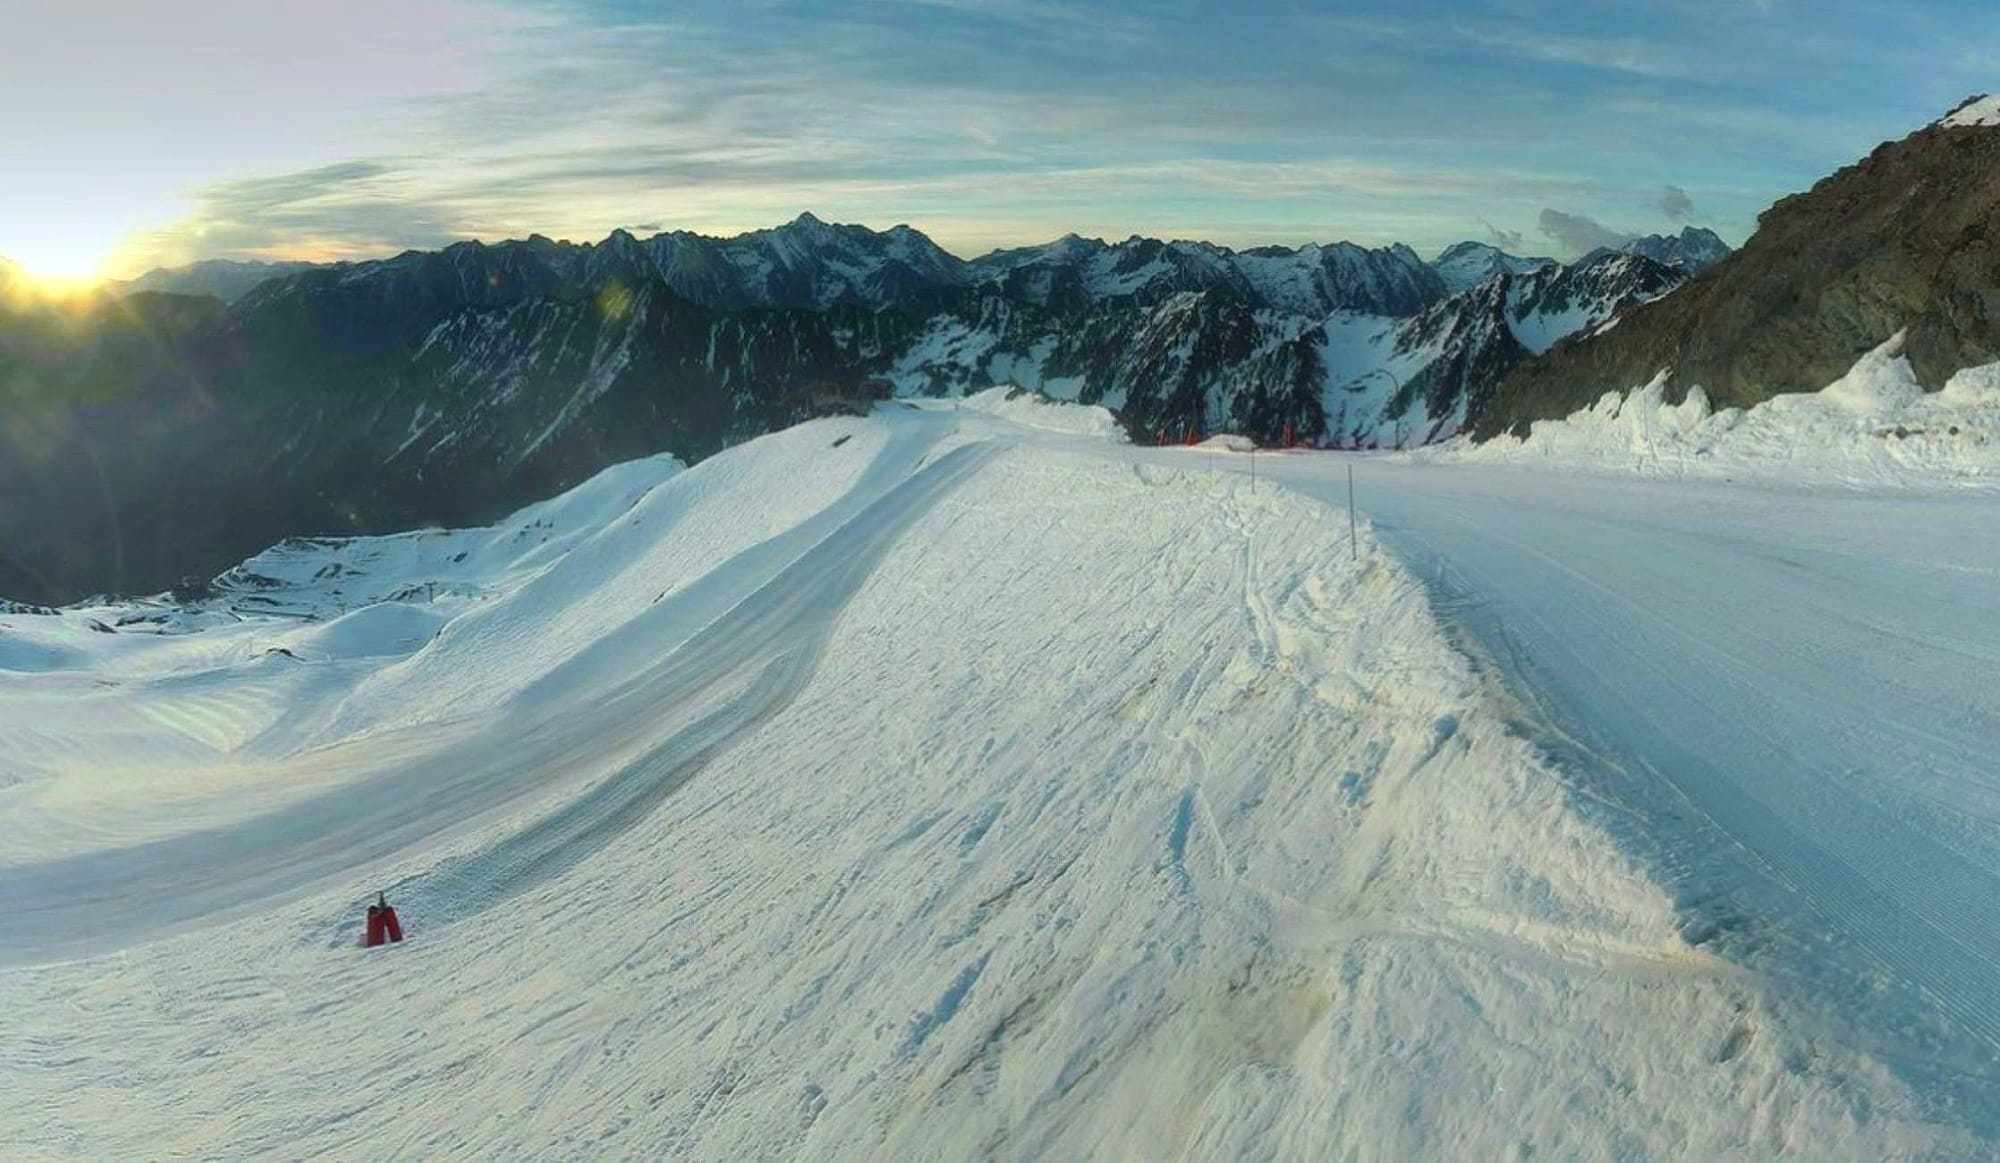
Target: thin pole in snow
[[1253, 468], [1353, 546]]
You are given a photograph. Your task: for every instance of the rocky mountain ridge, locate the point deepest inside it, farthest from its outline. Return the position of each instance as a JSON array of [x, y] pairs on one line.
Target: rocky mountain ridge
[[165, 435], [1906, 239], [1693, 250]]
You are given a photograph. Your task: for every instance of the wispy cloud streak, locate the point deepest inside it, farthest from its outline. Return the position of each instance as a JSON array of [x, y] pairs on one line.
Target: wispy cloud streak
[[990, 122]]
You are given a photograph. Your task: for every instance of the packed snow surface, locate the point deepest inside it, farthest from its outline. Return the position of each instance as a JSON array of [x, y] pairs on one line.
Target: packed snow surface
[[957, 782], [1873, 427]]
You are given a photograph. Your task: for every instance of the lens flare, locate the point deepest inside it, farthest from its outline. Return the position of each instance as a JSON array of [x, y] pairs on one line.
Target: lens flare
[[54, 264]]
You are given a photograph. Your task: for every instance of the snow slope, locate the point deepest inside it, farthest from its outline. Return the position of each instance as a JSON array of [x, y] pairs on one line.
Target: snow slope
[[1781, 695], [1874, 427], [931, 784]]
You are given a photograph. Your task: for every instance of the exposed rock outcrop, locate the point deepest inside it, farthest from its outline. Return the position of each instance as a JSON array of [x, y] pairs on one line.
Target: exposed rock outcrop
[[1906, 238]]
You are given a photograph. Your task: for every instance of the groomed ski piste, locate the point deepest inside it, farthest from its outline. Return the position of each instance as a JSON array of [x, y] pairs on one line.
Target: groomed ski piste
[[955, 782]]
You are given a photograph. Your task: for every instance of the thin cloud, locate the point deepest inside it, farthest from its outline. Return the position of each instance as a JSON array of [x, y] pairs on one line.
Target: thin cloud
[[348, 210], [377, 207], [922, 111], [1616, 54], [1512, 241], [1579, 234], [1675, 204]]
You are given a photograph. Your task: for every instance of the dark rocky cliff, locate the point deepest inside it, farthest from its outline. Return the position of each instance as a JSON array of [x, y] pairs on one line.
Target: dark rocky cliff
[[1908, 237]]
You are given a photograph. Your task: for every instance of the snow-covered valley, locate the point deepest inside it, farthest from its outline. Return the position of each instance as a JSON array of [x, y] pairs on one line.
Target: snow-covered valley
[[960, 782]]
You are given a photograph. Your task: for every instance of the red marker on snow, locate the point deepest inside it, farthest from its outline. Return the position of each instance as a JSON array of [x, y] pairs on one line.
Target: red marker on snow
[[382, 923]]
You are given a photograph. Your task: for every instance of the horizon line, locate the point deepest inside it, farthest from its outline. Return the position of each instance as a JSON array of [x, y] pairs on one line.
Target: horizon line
[[803, 217]]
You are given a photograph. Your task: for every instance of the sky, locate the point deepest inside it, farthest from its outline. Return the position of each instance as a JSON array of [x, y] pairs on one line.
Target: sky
[[135, 134]]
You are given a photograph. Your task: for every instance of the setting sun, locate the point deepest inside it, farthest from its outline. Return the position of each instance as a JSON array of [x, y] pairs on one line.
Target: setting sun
[[56, 265]]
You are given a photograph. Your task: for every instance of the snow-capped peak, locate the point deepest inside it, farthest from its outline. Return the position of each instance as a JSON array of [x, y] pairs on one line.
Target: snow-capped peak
[[1978, 112], [1465, 265], [1313, 280]]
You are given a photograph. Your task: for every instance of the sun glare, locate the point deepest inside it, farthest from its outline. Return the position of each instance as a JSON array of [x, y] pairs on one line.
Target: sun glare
[[56, 266]]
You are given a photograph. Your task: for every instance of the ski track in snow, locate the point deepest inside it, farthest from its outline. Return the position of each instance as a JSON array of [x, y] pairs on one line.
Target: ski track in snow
[[984, 788], [1781, 700]]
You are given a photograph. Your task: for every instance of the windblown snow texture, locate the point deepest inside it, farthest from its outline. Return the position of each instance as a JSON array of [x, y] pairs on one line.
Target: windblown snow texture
[[953, 782]]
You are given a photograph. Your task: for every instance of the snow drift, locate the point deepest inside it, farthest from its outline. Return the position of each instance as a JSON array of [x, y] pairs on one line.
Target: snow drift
[[1875, 426], [919, 785]]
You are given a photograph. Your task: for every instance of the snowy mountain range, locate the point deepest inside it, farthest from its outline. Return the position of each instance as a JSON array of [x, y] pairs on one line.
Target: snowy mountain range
[[1399, 383], [169, 433], [1308, 280], [1693, 250], [177, 432], [221, 278], [1468, 264]]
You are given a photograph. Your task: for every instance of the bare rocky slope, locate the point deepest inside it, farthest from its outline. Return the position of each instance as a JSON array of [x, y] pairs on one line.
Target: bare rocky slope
[[1906, 238]]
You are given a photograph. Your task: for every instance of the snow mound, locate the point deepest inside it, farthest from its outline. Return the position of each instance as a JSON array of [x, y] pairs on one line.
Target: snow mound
[[380, 630], [1973, 387], [1873, 427], [1228, 442], [1034, 410], [322, 577], [1879, 385], [1981, 111]]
